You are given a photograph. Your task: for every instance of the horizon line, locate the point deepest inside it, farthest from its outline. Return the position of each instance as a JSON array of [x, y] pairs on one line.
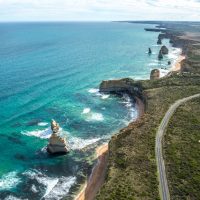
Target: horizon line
[[87, 21]]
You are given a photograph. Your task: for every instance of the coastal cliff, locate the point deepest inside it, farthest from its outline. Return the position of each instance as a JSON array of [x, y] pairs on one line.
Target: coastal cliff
[[129, 86], [132, 170]]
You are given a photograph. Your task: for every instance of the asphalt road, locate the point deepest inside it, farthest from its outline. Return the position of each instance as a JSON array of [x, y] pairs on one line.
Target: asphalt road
[[163, 185]]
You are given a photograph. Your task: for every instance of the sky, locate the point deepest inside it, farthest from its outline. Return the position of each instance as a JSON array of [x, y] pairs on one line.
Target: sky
[[99, 10]]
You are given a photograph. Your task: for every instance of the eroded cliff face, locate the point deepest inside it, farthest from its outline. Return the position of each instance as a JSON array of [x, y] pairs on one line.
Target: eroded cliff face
[[57, 144], [129, 86], [117, 86]]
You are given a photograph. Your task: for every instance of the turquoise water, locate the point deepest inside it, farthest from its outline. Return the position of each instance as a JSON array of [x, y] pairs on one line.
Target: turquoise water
[[53, 70]]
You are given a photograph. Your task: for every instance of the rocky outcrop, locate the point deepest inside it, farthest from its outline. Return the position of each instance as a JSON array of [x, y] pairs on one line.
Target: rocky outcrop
[[164, 50], [155, 74], [121, 86], [160, 55], [57, 144], [54, 126], [117, 86], [150, 51], [159, 41], [154, 29]]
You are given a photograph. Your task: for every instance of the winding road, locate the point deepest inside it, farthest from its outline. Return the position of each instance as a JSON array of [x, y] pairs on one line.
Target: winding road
[[163, 185]]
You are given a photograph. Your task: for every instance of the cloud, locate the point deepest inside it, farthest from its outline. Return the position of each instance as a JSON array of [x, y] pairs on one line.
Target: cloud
[[70, 10]]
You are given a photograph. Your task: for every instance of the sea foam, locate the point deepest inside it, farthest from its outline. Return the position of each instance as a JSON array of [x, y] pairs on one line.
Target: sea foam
[[97, 93], [13, 198], [130, 105], [75, 143], [9, 180], [105, 96], [55, 188], [86, 110], [79, 143], [93, 90], [44, 134], [61, 188], [42, 124], [94, 117]]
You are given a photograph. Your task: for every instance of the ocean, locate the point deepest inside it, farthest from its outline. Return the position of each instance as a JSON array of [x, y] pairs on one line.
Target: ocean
[[53, 71]]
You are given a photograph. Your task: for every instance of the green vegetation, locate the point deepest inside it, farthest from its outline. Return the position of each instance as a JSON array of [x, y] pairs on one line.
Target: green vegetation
[[132, 170], [182, 152]]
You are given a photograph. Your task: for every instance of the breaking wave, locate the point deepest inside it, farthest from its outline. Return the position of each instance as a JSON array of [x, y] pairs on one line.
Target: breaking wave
[[79, 143], [55, 188], [86, 110], [97, 93], [9, 180], [42, 124], [44, 134], [94, 117], [75, 143]]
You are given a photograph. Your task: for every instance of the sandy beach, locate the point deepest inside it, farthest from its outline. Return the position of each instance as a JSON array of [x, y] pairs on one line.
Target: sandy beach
[[174, 68], [177, 65], [96, 179]]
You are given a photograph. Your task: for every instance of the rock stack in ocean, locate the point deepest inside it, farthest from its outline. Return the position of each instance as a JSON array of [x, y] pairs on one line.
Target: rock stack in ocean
[[155, 74], [160, 55], [57, 144], [159, 41], [164, 50], [150, 51]]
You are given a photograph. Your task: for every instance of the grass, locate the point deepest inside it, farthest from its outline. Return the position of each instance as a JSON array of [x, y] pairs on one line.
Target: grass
[[182, 152]]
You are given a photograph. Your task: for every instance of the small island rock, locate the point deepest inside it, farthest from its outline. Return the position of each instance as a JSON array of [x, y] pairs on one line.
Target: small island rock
[[150, 51], [159, 41], [160, 55], [164, 50], [57, 144]]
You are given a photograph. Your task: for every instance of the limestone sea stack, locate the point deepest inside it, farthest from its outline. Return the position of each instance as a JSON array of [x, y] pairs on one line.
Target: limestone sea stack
[[155, 74], [164, 50], [150, 51], [57, 144], [159, 42], [160, 55]]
